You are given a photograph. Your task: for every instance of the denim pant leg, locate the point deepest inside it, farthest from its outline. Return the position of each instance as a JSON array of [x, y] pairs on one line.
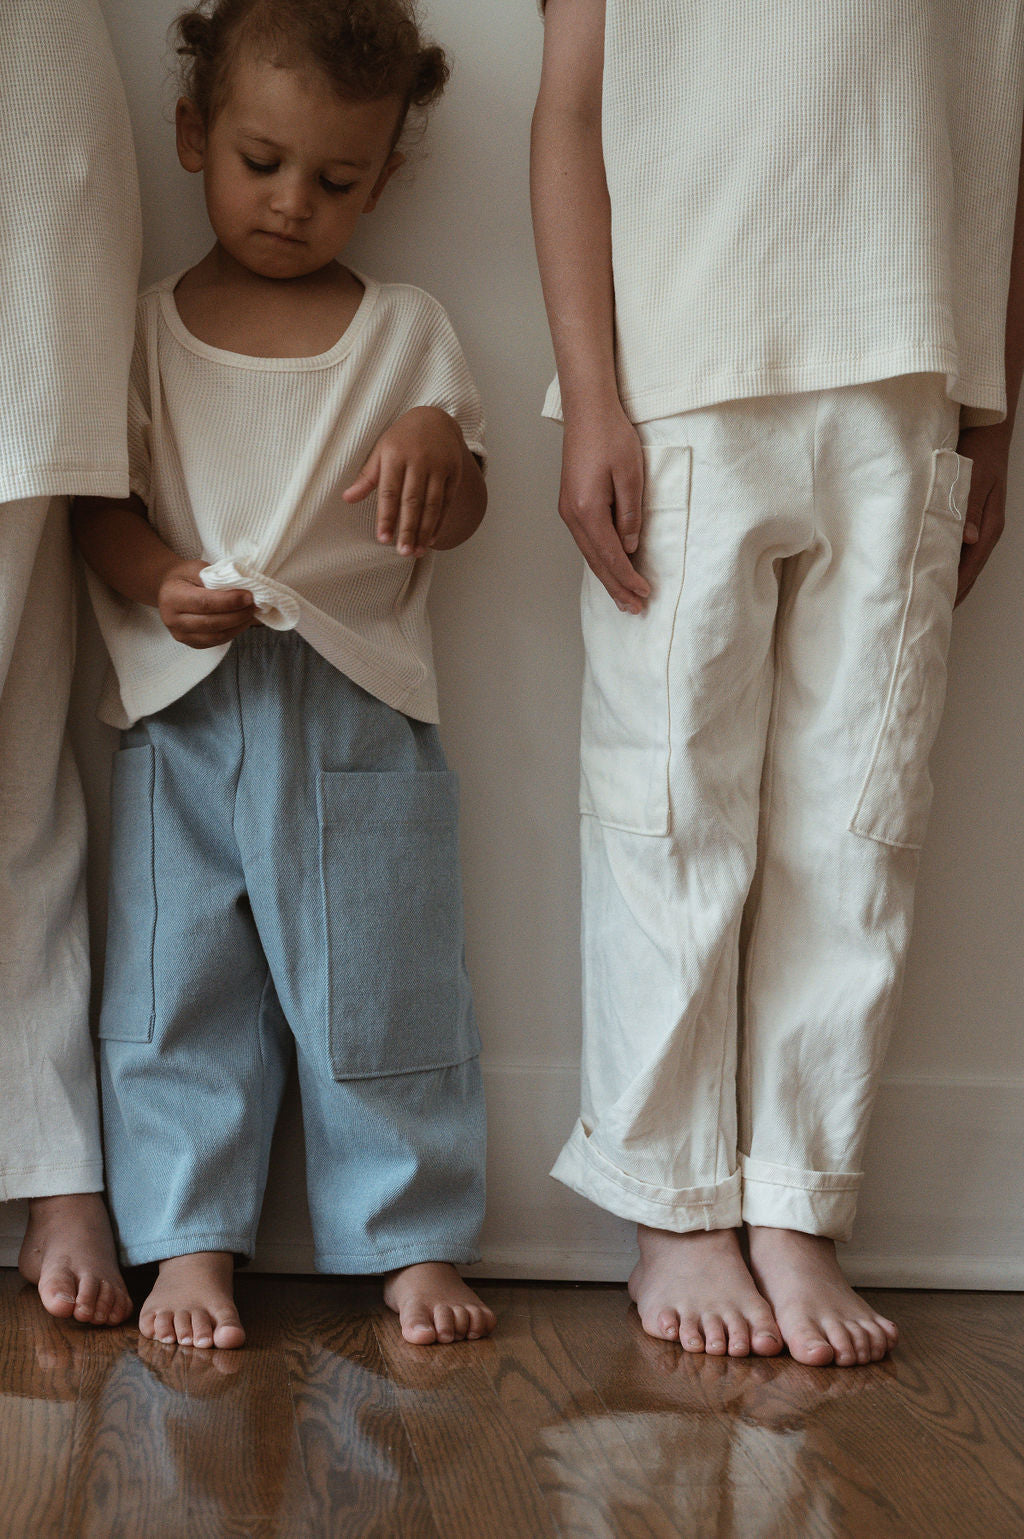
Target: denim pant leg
[[351, 859], [194, 1047]]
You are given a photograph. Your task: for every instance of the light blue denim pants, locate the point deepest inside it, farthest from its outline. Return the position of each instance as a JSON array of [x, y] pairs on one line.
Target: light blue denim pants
[[284, 867]]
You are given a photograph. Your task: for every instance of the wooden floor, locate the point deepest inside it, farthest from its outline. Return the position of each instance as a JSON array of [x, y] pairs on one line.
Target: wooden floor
[[568, 1422]]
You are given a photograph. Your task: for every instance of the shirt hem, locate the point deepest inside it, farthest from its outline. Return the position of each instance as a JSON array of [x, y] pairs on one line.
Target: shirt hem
[[983, 401]]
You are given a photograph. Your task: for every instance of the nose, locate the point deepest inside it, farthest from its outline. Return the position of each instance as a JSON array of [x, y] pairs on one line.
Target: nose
[[291, 198]]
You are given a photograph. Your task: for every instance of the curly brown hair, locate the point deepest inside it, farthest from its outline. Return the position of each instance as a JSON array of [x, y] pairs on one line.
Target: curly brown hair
[[366, 49]]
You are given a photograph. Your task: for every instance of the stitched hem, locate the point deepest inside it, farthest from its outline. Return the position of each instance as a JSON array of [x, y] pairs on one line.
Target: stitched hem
[[51, 1180], [584, 1169], [374, 1263], [169, 1246]]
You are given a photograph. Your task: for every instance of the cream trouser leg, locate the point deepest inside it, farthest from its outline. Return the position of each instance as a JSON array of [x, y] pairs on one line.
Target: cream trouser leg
[[754, 793], [49, 1127]]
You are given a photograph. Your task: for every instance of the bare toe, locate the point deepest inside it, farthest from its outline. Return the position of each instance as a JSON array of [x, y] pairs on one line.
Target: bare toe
[[738, 1335], [202, 1328], [691, 1338], [714, 1335], [228, 1333], [666, 1325], [417, 1323], [444, 1323], [58, 1291]]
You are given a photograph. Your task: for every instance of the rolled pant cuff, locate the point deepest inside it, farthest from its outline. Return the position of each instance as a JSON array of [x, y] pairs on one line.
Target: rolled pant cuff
[[813, 1201], [51, 1180], [584, 1169]]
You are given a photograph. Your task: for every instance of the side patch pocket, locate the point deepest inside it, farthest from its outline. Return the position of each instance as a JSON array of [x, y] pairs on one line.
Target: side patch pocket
[[895, 798], [398, 996], [129, 1001], [625, 737]]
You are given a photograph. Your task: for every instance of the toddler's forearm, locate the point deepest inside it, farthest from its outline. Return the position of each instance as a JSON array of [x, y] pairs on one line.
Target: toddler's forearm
[[122, 547]]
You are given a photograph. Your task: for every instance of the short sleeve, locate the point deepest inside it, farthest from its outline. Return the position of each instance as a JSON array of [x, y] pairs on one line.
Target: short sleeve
[[438, 374]]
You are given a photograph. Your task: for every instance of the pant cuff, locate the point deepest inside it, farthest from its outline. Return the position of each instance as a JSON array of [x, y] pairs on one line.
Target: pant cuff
[[147, 1251], [812, 1201], [369, 1264], [584, 1169], [51, 1180]]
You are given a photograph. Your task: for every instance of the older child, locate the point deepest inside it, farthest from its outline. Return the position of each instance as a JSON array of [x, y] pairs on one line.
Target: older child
[[284, 860], [776, 245]]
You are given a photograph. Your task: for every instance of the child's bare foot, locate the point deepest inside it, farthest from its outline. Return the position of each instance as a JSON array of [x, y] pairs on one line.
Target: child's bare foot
[[68, 1252], [821, 1318], [193, 1302], [434, 1304], [695, 1289]]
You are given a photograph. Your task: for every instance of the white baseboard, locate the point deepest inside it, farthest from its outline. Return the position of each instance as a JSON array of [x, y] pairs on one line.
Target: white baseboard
[[939, 1205]]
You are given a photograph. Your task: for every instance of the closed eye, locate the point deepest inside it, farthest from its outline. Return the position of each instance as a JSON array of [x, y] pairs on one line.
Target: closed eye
[[329, 186], [261, 167]]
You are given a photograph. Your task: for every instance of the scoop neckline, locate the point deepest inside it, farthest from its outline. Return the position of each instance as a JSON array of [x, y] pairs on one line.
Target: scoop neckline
[[194, 344]]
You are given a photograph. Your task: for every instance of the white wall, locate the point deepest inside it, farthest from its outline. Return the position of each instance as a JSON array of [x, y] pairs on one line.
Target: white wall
[[941, 1202]]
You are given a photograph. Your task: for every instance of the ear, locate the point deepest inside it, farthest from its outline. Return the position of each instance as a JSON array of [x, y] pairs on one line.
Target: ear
[[190, 132], [390, 166]]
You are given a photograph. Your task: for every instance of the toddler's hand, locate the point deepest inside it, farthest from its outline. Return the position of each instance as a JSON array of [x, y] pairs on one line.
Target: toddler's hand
[[417, 468], [195, 615]]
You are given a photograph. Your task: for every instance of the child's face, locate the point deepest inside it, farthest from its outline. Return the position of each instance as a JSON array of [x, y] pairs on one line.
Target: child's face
[[288, 166]]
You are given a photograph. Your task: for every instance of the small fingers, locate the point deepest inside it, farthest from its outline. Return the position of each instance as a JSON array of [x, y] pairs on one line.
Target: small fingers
[[389, 500], [414, 490], [434, 506]]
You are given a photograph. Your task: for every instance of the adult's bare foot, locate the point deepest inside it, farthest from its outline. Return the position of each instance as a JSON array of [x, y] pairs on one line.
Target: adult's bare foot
[[821, 1318], [193, 1302], [68, 1252], [695, 1289], [433, 1304]]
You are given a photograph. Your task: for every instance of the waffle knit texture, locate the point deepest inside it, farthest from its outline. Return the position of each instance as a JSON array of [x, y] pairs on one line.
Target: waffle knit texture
[[810, 194], [243, 459], [69, 252]]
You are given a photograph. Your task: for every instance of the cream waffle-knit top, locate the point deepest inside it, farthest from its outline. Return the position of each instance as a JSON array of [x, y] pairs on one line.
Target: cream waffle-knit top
[[242, 461], [69, 252], [810, 193]]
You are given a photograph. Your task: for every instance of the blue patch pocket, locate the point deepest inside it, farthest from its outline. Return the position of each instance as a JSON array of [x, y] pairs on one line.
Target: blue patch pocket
[[398, 997]]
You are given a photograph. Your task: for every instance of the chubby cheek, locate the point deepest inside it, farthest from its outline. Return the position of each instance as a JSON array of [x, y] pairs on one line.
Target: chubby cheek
[[230, 206]]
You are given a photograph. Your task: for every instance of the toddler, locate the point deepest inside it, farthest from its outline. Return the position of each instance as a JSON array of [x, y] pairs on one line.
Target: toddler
[[284, 855]]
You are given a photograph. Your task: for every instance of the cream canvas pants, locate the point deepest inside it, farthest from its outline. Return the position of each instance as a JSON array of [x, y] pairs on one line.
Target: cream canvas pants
[[754, 794], [49, 1125]]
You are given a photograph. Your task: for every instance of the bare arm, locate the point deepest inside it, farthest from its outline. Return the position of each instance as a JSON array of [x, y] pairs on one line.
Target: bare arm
[[123, 548], [989, 447], [602, 463]]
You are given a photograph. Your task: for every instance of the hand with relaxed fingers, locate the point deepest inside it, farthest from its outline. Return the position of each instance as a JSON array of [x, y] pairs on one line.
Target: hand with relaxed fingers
[[198, 617], [989, 449], [601, 500], [430, 491]]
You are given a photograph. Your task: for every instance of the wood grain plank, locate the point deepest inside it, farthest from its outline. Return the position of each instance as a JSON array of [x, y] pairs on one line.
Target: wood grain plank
[[709, 1469], [244, 1473], [595, 1485], [130, 1455], [361, 1472], [475, 1475], [40, 1374]]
